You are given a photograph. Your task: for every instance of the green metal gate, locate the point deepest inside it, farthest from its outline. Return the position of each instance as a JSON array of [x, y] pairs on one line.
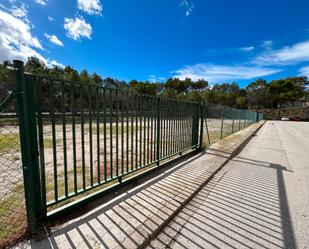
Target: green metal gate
[[79, 139]]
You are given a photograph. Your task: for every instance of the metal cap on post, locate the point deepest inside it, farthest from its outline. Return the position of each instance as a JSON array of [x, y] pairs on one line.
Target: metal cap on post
[[29, 147]]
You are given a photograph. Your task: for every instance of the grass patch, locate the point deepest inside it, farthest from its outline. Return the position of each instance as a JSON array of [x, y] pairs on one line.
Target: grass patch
[[13, 218], [48, 143], [9, 142]]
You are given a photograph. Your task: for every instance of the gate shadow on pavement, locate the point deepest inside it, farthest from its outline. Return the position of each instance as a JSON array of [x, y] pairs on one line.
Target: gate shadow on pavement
[[242, 207], [113, 224]]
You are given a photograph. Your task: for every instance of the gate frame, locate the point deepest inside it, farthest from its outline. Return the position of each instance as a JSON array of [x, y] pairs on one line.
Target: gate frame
[[26, 111]]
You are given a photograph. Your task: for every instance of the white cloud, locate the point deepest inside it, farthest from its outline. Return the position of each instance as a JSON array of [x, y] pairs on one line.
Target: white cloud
[[220, 73], [153, 79], [55, 63], [51, 19], [20, 12], [16, 40], [77, 28], [268, 44], [188, 6], [54, 39], [304, 71], [90, 6], [246, 49], [288, 55], [41, 2]]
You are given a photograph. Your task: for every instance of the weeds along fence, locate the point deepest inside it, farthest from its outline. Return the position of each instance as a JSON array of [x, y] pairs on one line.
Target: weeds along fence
[[71, 140]]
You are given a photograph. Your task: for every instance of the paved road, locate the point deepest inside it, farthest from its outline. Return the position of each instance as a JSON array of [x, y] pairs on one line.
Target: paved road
[[259, 200]]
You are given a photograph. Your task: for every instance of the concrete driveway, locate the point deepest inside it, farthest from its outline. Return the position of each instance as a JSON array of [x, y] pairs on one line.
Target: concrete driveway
[[260, 199]]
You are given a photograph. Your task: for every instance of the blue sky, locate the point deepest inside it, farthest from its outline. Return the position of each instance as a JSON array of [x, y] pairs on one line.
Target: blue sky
[[220, 41]]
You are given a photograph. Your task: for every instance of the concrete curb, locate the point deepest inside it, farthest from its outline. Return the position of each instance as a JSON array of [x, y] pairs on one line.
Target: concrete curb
[[208, 179]]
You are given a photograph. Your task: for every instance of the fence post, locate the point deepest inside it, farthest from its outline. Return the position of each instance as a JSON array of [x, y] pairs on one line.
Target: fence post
[[201, 117], [222, 119], [29, 147], [158, 131]]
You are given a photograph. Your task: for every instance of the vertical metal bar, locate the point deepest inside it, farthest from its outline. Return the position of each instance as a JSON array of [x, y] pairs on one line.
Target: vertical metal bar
[[182, 126], [206, 125], [201, 117], [52, 114], [177, 126], [174, 126], [151, 128], [154, 106], [128, 130], [122, 132], [64, 141], [73, 107], [222, 120], [163, 130], [132, 99], [82, 136], [233, 121], [169, 128], [41, 145], [145, 119], [239, 113], [117, 133], [136, 130], [98, 104], [111, 132], [148, 131], [186, 125], [29, 149], [141, 131], [158, 131], [195, 125], [90, 134], [104, 127]]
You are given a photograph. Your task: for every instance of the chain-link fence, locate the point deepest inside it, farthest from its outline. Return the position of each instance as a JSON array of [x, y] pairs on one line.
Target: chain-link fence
[[12, 205], [221, 121]]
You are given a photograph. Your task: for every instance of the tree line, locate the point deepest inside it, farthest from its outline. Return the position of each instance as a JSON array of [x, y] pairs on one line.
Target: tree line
[[258, 94]]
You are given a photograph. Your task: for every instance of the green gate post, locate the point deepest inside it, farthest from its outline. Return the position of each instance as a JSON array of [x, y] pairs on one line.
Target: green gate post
[[29, 147], [201, 117], [158, 130], [222, 119], [195, 125]]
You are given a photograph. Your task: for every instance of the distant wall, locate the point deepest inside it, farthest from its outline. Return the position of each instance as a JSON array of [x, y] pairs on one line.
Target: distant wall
[[277, 114]]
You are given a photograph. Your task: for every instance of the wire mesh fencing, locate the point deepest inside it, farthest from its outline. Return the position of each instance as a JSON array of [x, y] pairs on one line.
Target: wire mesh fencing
[[13, 222], [221, 121]]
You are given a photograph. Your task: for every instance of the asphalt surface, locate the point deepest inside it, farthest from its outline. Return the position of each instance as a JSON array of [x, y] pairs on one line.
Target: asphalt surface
[[260, 199]]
